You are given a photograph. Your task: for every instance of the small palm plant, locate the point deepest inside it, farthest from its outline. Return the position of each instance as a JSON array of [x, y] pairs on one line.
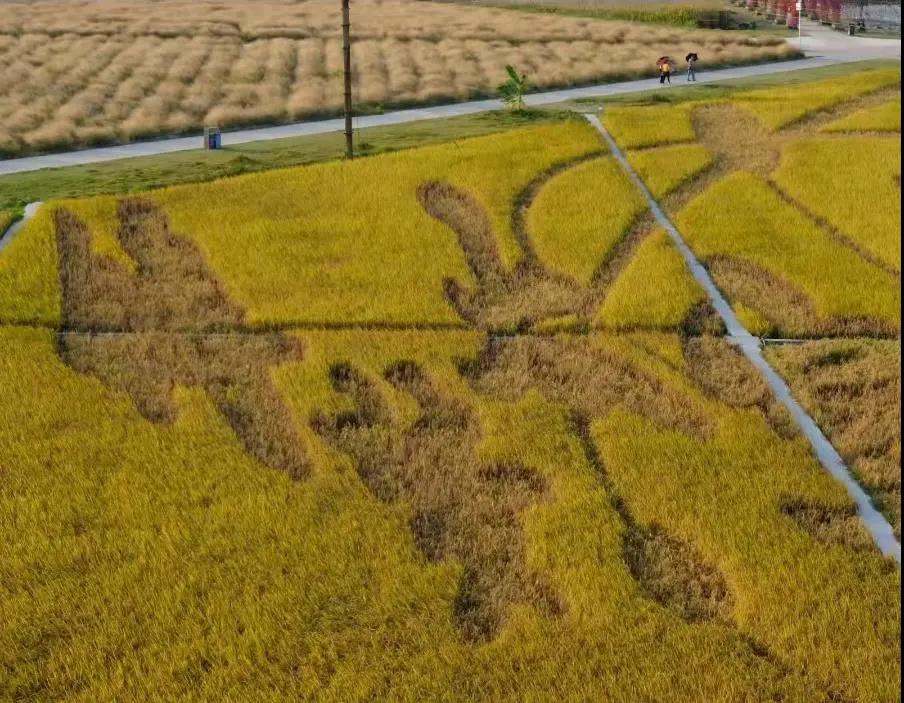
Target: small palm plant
[[513, 90]]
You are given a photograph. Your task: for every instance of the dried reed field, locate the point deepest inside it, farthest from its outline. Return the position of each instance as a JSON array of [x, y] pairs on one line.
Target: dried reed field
[[474, 435], [99, 72]]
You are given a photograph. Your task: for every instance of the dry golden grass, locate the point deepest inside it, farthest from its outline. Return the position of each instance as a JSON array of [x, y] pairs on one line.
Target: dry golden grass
[[853, 389], [113, 71]]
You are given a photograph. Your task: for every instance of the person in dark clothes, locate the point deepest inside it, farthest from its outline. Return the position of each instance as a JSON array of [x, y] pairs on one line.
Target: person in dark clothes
[[691, 67]]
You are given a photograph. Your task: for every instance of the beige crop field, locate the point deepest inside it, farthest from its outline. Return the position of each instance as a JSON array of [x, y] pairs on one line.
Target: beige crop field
[[98, 72]]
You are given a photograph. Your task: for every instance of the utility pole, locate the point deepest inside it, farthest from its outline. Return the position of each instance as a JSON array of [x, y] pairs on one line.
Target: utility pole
[[347, 64]]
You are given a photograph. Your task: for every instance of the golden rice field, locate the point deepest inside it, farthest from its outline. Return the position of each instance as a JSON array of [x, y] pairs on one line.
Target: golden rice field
[[666, 168], [100, 72], [867, 210], [781, 107], [885, 117], [449, 424], [800, 229]]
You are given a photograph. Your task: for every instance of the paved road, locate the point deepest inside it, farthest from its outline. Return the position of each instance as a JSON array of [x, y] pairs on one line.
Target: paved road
[[877, 525], [822, 46]]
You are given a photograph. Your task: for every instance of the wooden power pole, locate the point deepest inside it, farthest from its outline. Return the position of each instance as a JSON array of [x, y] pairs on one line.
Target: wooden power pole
[[347, 65]]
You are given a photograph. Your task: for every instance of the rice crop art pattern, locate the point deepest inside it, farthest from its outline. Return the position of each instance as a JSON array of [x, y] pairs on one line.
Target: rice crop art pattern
[[171, 324], [97, 72], [463, 508]]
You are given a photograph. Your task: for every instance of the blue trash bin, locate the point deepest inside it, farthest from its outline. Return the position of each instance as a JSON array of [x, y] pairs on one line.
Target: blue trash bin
[[212, 138]]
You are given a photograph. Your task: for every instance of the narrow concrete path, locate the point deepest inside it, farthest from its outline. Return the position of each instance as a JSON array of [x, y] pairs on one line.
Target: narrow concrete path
[[6, 237], [303, 129], [751, 347]]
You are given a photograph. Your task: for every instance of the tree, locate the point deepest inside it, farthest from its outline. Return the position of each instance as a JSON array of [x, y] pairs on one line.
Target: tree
[[513, 90]]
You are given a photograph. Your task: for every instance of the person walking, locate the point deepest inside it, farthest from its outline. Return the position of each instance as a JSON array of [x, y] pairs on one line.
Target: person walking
[[691, 67], [665, 72]]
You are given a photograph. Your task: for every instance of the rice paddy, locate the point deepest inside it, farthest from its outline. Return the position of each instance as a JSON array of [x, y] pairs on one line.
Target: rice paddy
[[879, 118], [865, 211], [777, 108], [634, 127], [449, 424], [665, 169], [853, 388], [799, 229]]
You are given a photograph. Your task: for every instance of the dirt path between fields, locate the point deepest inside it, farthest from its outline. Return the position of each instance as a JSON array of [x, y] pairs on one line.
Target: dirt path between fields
[[751, 346]]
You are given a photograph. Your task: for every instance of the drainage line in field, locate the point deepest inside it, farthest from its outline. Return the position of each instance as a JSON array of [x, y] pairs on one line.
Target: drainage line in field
[[752, 347]]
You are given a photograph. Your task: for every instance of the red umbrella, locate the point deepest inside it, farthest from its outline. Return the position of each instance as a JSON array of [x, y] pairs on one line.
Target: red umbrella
[[663, 60]]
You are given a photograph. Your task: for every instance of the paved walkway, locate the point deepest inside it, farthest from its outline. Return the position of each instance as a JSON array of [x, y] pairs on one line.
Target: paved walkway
[[751, 346], [823, 47]]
